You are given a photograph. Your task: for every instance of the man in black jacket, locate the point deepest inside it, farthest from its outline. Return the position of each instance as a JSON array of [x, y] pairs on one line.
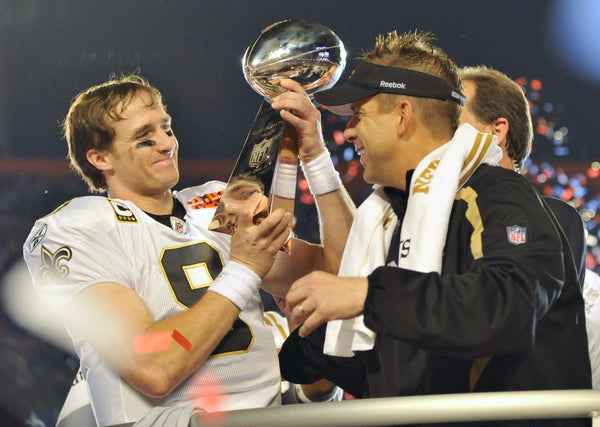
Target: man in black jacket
[[502, 310], [496, 104]]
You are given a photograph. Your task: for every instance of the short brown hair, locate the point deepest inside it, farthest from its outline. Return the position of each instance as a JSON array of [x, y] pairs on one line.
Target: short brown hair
[[415, 51], [496, 95], [88, 122]]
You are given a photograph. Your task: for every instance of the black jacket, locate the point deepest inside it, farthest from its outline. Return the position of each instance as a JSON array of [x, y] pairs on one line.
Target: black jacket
[[572, 224], [505, 314]]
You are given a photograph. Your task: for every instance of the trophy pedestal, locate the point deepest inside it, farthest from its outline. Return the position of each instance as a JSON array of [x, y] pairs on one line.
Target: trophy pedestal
[[270, 142]]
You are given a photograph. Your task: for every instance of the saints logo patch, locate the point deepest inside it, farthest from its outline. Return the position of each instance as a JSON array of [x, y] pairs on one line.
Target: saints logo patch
[[53, 263], [516, 234]]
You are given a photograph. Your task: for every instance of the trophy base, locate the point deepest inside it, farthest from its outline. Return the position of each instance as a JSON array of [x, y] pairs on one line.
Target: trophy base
[[268, 143]]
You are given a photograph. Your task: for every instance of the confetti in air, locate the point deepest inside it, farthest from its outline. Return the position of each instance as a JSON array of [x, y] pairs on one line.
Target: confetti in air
[[210, 399], [152, 343], [182, 340]]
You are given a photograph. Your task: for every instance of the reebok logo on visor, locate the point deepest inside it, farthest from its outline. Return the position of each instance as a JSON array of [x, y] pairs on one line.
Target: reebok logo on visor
[[369, 79], [394, 85]]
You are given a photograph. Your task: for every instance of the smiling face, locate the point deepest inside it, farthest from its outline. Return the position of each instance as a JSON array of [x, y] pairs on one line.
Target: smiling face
[[142, 161], [372, 133], [382, 135]]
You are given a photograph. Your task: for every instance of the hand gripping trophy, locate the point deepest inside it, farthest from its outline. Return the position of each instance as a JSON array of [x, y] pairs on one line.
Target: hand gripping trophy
[[306, 52]]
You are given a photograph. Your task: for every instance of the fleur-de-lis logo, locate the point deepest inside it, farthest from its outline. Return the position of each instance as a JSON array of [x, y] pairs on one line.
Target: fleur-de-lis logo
[[51, 268]]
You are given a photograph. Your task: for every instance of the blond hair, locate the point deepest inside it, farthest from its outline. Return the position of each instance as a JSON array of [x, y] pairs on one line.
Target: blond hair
[[88, 122]]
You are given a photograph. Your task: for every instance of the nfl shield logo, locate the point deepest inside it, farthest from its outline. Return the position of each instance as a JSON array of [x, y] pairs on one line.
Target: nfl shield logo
[[516, 234], [178, 225], [259, 152]]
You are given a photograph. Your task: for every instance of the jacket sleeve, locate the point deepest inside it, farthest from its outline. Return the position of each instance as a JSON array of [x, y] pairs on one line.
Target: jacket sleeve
[[494, 287], [302, 362], [572, 224]]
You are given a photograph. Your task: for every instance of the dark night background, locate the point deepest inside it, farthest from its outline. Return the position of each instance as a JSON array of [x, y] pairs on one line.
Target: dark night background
[[192, 51]]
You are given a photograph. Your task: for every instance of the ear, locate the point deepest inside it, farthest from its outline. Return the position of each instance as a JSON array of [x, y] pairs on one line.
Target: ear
[[99, 159], [404, 115], [500, 129]]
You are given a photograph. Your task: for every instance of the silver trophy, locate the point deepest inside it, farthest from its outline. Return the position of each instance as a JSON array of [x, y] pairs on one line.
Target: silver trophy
[[306, 52]]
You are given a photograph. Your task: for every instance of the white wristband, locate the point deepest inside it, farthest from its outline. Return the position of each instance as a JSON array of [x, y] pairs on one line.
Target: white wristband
[[335, 395], [285, 180], [321, 175], [237, 283]]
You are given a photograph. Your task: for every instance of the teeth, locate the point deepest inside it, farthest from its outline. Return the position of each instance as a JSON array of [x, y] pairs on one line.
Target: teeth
[[361, 152]]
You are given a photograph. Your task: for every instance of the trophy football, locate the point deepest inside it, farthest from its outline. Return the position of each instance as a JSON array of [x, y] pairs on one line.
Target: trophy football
[[308, 53]]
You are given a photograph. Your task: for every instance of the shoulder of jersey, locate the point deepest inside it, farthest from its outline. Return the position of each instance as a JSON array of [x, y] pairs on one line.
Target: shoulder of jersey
[[82, 213], [91, 210], [77, 206], [487, 176]]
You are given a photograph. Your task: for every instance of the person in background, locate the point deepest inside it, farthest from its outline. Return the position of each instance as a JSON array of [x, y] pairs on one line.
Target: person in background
[[453, 279], [591, 296], [165, 314], [497, 105]]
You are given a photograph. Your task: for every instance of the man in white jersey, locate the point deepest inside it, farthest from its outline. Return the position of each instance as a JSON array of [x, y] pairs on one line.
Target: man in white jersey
[[77, 411], [163, 313], [591, 296]]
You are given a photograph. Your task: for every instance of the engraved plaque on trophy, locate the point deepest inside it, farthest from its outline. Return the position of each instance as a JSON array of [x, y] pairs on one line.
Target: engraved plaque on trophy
[[306, 52]]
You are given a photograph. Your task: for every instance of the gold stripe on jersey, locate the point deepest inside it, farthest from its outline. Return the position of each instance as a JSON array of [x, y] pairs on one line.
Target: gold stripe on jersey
[[476, 370], [486, 145], [474, 217], [269, 317], [64, 205]]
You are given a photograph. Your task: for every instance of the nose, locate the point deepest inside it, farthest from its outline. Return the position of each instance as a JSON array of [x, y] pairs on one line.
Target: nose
[[350, 134], [168, 144]]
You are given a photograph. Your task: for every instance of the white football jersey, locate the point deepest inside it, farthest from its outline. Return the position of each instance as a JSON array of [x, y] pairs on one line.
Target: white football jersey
[[94, 239], [591, 296]]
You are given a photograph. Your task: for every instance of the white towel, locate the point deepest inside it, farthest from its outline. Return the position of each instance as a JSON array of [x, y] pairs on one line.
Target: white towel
[[434, 185]]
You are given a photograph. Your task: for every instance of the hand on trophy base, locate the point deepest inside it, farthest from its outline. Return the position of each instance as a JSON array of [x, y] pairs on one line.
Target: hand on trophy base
[[236, 195]]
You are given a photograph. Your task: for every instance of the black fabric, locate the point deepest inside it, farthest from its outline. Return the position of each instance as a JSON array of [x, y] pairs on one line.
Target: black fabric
[[572, 224], [178, 211], [369, 79], [517, 310], [347, 373], [399, 201]]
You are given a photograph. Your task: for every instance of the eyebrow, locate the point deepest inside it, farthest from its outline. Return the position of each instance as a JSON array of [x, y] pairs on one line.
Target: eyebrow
[[357, 105], [148, 127], [244, 184]]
